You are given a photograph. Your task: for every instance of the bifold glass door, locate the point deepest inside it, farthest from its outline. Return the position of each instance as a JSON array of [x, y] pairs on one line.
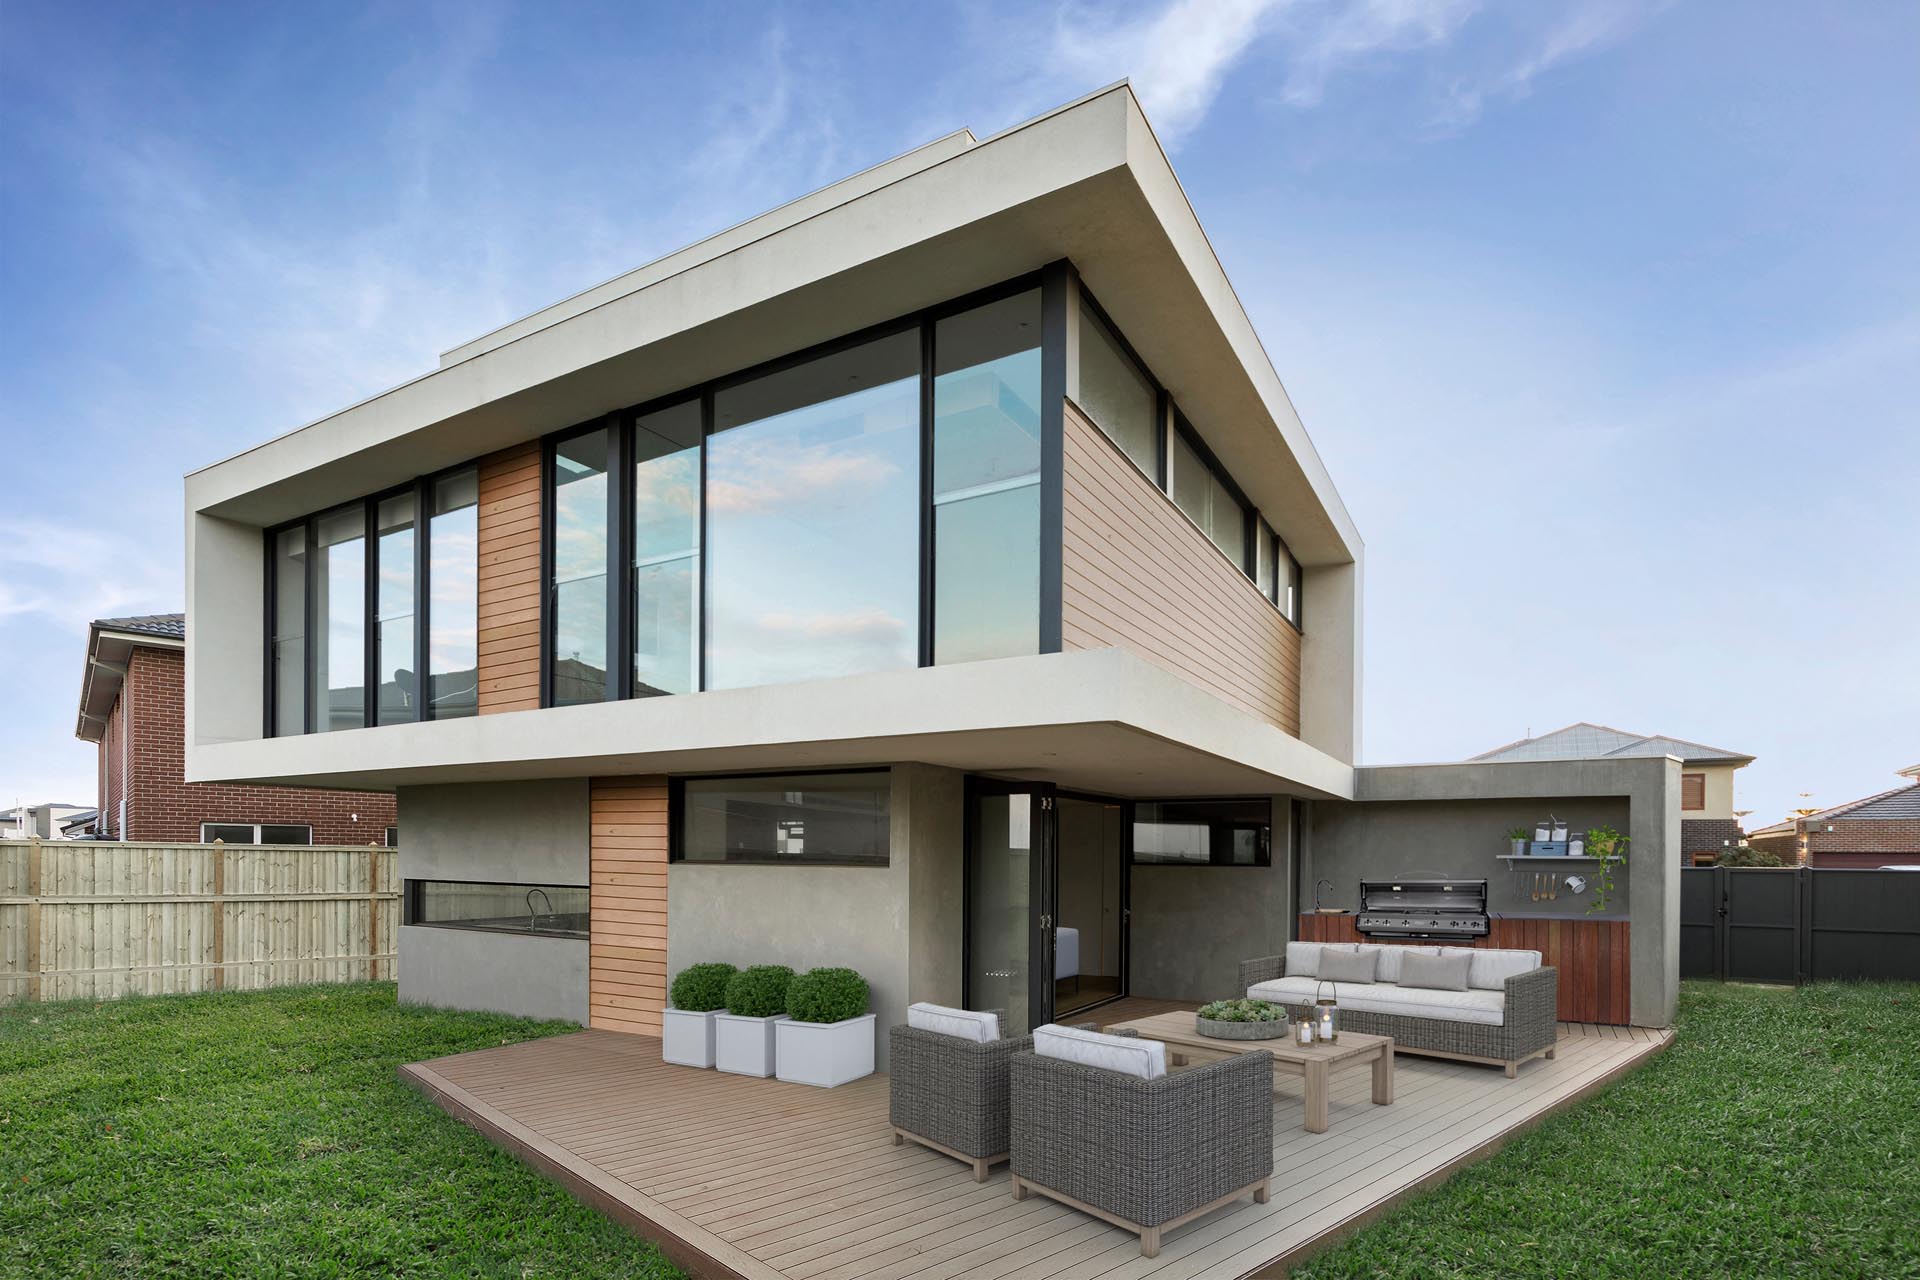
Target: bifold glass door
[[1010, 877]]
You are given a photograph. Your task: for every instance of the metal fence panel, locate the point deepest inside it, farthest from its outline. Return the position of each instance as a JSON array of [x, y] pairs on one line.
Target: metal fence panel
[[1863, 924], [1799, 924], [1700, 941]]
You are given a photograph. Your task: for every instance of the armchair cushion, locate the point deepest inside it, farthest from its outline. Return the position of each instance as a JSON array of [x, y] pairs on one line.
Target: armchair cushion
[[1146, 1059], [962, 1024]]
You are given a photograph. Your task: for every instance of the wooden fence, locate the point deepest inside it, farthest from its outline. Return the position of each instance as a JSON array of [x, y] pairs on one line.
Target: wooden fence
[[95, 919]]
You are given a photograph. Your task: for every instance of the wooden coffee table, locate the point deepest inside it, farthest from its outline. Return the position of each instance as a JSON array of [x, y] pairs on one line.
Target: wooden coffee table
[[1314, 1064]]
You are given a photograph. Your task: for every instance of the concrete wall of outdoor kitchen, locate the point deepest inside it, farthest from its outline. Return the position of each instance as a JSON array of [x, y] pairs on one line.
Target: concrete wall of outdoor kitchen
[[1192, 926], [1423, 839], [1413, 818]]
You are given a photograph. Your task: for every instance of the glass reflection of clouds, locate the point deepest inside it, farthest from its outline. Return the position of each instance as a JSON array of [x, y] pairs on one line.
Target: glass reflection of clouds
[[813, 518]]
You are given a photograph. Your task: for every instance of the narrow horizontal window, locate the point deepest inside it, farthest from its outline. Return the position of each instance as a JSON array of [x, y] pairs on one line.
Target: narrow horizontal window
[[255, 833], [538, 910], [1202, 833], [786, 818]]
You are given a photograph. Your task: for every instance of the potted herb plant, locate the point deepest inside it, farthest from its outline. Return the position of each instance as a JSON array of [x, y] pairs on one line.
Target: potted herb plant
[[828, 1038], [743, 1035], [686, 1025], [1517, 838]]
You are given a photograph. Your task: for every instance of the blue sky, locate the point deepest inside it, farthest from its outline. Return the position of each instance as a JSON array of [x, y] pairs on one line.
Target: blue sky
[[1605, 316]]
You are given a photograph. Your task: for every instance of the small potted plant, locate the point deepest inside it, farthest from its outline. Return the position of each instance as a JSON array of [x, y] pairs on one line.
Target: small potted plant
[[1241, 1020], [828, 1038], [743, 1035], [686, 1025], [1517, 838]]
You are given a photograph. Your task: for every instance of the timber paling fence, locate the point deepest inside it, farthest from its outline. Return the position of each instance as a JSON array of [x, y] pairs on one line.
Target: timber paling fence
[[96, 919]]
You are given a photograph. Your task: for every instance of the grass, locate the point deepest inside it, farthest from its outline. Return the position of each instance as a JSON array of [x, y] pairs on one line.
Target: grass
[[265, 1134], [1779, 1136]]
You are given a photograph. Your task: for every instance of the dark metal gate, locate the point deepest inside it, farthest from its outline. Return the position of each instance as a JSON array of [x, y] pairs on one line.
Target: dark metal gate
[[1799, 924]]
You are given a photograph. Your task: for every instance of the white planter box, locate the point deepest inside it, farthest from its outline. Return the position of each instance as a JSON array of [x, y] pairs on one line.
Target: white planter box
[[686, 1038], [744, 1046], [826, 1053]]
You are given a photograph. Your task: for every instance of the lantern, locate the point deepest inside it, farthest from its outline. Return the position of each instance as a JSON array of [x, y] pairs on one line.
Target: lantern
[[1326, 1014], [1303, 1030]]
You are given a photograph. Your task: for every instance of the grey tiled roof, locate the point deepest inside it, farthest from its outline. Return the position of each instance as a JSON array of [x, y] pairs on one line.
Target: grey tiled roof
[[1888, 806], [172, 626], [1586, 741]]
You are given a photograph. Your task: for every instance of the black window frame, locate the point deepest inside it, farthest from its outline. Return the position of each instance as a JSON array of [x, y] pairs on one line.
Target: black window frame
[[413, 892], [1219, 853], [677, 819], [258, 831], [421, 489]]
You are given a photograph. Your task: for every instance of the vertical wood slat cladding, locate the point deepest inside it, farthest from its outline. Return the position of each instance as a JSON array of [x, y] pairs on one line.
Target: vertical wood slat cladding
[[509, 610], [1591, 955], [627, 932], [1137, 575]]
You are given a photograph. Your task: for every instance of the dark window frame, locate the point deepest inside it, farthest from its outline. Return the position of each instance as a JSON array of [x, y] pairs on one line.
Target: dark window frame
[[413, 891], [1217, 855], [421, 488], [258, 830], [677, 819]]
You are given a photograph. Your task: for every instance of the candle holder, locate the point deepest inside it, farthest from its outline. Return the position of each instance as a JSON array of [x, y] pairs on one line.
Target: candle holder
[[1326, 1014]]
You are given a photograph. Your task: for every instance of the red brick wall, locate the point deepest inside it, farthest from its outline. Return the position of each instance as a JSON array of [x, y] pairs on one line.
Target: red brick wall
[[161, 805], [1863, 842]]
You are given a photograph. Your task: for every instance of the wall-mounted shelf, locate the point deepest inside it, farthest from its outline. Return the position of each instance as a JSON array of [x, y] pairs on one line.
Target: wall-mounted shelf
[[1561, 859]]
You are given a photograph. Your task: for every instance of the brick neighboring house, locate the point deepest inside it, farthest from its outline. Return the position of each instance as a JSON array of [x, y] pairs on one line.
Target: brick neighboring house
[[1708, 824], [1880, 830], [133, 705]]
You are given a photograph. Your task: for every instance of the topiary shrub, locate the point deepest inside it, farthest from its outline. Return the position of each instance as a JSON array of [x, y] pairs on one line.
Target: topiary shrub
[[827, 995], [759, 991], [702, 988]]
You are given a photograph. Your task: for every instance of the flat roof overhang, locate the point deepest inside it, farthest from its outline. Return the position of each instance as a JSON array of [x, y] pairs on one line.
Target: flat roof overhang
[[1088, 182], [1098, 720]]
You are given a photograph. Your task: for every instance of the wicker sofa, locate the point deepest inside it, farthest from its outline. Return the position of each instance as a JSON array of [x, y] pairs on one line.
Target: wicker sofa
[[1509, 1015], [1144, 1155]]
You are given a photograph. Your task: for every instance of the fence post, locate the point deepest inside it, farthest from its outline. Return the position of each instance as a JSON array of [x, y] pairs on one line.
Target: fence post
[[219, 917], [1720, 908], [1803, 925], [373, 913], [33, 918]]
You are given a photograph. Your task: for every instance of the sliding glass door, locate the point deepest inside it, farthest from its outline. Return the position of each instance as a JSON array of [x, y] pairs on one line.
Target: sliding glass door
[[1010, 877]]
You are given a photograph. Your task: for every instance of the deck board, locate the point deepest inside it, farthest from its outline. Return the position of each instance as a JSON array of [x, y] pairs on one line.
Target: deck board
[[755, 1178]]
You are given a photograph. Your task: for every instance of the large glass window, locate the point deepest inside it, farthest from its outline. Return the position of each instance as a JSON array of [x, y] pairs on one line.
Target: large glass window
[[1200, 492], [813, 526], [453, 613], [542, 910], [340, 602], [1219, 833], [289, 641], [393, 628], [579, 590], [986, 481], [666, 550], [1265, 547], [786, 818], [1117, 394]]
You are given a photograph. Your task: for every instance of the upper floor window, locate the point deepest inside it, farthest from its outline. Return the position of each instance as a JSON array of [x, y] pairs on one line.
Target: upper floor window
[[351, 617], [1693, 791], [577, 594], [1202, 490], [1117, 393]]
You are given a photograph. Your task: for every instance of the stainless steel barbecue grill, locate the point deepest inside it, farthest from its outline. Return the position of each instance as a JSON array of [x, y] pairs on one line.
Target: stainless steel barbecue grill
[[1442, 910]]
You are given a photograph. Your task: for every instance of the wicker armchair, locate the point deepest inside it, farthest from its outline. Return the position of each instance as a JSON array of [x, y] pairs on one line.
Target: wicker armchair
[[1530, 1030], [1144, 1155], [950, 1094]]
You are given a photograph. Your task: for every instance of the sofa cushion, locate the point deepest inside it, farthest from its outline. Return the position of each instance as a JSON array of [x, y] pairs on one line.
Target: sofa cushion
[[1303, 958], [1492, 967], [1128, 1054], [1389, 967], [1348, 966], [1487, 1007], [1443, 972], [962, 1024]]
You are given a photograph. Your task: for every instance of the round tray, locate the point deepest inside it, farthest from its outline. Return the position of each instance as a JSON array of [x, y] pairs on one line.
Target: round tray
[[1241, 1030]]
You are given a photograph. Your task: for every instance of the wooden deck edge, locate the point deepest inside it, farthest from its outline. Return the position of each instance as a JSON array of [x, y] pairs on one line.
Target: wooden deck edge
[[600, 1191], [1277, 1268]]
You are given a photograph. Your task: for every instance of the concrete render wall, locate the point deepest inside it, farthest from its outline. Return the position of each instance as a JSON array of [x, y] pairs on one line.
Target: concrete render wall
[[1192, 926], [1372, 827], [515, 833], [898, 925]]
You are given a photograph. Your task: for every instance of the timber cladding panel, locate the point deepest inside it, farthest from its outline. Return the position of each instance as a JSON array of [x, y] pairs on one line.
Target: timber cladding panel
[[1136, 574], [509, 614], [627, 947]]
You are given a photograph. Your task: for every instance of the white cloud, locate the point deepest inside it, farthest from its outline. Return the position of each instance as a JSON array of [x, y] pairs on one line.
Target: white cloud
[[1322, 42], [1584, 28], [1176, 59]]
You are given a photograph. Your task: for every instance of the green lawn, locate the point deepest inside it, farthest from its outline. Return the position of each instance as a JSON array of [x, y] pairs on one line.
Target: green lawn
[[265, 1134], [1779, 1136]]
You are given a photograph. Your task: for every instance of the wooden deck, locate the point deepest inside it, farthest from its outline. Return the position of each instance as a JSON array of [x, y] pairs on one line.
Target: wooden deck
[[758, 1179]]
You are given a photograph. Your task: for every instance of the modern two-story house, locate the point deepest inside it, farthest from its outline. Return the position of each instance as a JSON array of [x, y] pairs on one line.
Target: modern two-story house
[[928, 576]]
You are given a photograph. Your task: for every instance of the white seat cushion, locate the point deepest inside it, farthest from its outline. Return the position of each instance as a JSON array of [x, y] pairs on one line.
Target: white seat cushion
[[1146, 1059], [1066, 953], [1492, 967], [1488, 1007], [962, 1024]]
